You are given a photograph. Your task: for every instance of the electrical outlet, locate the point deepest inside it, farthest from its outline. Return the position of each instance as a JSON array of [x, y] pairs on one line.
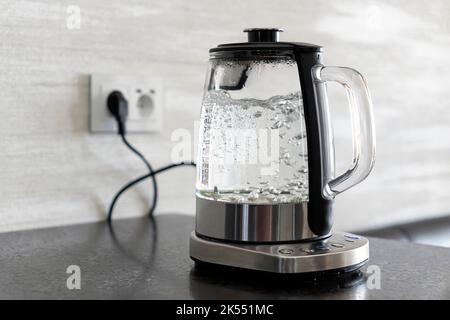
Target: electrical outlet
[[144, 96]]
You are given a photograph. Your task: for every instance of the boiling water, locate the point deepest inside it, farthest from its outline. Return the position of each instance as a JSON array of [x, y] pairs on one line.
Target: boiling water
[[252, 151]]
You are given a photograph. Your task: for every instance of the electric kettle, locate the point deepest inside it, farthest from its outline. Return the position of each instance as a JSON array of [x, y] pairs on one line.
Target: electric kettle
[[266, 180]]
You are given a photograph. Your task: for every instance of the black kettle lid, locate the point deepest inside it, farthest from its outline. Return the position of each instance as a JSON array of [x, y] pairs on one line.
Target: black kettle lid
[[265, 39]]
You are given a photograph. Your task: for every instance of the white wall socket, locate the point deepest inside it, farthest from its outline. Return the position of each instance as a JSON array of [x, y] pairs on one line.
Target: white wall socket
[[145, 104]]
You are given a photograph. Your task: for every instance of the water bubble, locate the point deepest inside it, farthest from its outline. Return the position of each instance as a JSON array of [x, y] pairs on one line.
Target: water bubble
[[285, 155], [295, 183], [271, 107], [277, 125], [270, 197], [257, 114], [281, 103], [286, 158], [274, 118], [303, 170], [300, 136], [253, 195], [291, 111], [297, 140], [275, 191], [281, 198]]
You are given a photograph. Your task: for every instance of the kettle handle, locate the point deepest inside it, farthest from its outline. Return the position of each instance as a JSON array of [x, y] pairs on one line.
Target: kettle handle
[[362, 122]]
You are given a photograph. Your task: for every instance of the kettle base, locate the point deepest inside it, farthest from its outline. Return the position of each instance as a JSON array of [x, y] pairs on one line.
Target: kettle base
[[340, 252]]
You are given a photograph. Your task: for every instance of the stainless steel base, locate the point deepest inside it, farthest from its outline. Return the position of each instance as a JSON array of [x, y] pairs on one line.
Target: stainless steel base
[[339, 251], [253, 222]]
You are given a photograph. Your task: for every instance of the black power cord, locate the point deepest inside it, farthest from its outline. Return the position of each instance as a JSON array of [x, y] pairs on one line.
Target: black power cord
[[140, 179], [150, 169], [118, 106]]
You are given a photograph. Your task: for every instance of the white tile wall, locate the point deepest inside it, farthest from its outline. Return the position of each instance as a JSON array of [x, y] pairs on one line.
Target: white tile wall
[[53, 172]]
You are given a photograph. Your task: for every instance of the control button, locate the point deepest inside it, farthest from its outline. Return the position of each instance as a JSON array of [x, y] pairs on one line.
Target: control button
[[286, 251], [322, 248], [351, 236], [307, 250], [349, 240], [337, 245]]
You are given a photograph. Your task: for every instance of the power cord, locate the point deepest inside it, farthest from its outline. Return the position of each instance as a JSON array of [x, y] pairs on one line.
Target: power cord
[[140, 179], [150, 169], [118, 107]]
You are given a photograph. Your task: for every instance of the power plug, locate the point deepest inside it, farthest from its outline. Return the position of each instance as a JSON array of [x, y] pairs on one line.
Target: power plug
[[118, 107]]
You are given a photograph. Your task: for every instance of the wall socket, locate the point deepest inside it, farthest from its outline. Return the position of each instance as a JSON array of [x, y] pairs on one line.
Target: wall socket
[[145, 104]]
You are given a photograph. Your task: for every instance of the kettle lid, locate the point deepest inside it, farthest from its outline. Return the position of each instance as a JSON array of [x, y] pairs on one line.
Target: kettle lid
[[265, 39]]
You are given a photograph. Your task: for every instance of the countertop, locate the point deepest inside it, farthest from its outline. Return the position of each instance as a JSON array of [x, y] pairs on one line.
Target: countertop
[[138, 259]]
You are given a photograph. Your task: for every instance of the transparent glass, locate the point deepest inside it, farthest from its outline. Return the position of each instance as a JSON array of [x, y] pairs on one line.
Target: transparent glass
[[252, 139], [363, 127]]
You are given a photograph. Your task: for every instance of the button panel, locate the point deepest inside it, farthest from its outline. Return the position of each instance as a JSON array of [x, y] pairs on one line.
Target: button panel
[[335, 243]]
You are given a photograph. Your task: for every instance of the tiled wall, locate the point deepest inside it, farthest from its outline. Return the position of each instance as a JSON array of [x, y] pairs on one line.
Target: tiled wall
[[53, 171]]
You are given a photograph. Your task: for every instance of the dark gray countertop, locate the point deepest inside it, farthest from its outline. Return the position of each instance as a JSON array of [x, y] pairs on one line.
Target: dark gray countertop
[[132, 263]]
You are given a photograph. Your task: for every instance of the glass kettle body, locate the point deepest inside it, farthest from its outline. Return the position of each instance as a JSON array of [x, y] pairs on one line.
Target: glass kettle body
[[265, 168]]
